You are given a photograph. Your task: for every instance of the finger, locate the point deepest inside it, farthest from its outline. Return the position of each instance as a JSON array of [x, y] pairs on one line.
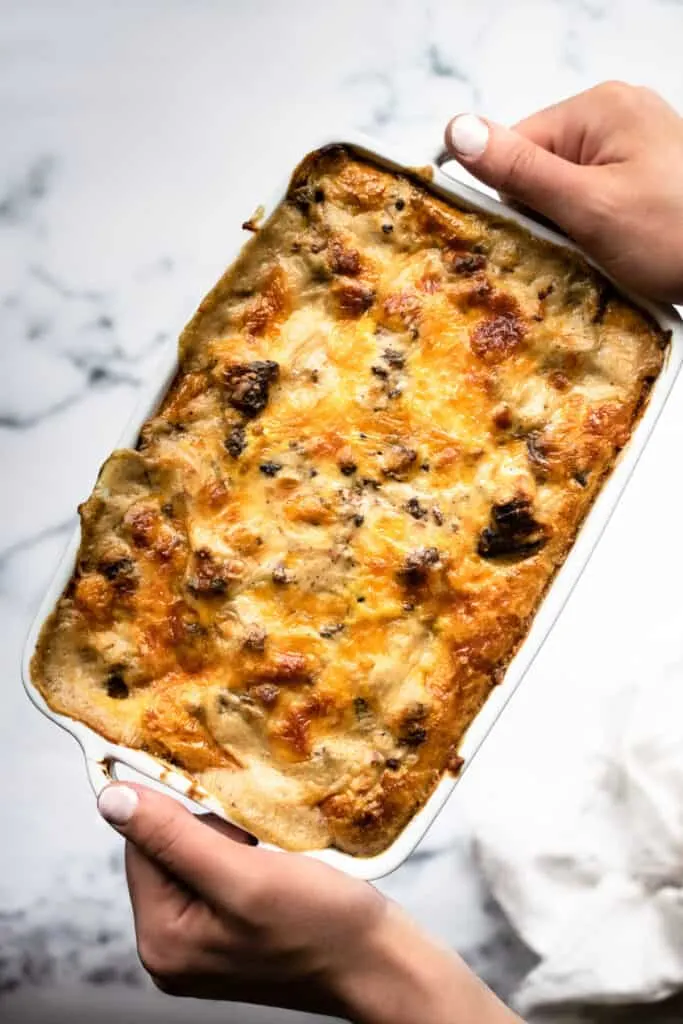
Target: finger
[[152, 886], [206, 861], [514, 165], [561, 129], [582, 129], [155, 896], [605, 124], [522, 208], [161, 902], [225, 828], [579, 129]]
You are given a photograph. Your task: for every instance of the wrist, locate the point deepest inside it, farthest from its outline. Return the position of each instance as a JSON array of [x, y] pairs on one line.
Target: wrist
[[397, 975]]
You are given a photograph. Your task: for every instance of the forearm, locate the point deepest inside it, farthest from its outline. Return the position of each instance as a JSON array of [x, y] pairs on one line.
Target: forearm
[[400, 976]]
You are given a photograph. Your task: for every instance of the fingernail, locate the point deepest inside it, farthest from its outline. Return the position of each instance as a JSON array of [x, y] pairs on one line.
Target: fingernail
[[469, 135], [117, 804]]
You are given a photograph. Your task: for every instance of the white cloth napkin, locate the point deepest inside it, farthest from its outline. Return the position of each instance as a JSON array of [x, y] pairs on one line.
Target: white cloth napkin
[[584, 846]]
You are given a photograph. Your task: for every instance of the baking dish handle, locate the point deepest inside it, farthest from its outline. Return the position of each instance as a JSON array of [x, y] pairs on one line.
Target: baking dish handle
[[102, 770], [101, 767], [99, 773], [441, 157]]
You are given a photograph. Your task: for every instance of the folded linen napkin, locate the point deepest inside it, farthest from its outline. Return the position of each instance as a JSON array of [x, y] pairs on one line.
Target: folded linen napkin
[[584, 847]]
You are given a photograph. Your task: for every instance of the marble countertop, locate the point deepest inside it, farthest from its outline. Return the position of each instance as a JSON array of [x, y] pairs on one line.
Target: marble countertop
[[136, 136]]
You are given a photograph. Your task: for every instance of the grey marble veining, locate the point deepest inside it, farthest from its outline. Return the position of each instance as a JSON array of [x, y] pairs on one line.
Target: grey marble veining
[[135, 138]]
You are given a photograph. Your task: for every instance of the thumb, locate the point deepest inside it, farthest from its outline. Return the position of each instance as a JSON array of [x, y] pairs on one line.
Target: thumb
[[204, 859], [516, 166]]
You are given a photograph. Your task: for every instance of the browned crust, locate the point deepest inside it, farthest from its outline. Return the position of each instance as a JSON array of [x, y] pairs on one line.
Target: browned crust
[[390, 419]]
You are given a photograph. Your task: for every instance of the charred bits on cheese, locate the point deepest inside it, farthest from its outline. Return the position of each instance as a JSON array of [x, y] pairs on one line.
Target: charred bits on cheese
[[413, 727], [389, 372], [496, 337], [467, 263], [255, 639], [116, 685], [270, 306], [398, 460], [282, 576], [190, 639], [353, 298], [270, 468], [121, 573], [236, 440], [417, 565], [512, 531], [209, 577], [538, 452], [503, 328], [415, 509], [265, 693], [346, 461], [342, 259], [401, 311], [247, 385]]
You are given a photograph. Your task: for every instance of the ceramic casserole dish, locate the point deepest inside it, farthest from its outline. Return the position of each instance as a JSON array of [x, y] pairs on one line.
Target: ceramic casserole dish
[[102, 756]]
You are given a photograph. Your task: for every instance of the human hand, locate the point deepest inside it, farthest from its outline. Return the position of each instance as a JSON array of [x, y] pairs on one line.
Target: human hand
[[218, 918], [605, 166]]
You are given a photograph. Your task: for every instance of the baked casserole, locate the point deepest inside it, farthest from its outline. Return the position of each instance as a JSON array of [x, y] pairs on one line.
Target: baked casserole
[[389, 419]]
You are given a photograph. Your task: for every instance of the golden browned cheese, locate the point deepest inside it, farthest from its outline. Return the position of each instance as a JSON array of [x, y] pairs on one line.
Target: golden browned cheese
[[390, 417]]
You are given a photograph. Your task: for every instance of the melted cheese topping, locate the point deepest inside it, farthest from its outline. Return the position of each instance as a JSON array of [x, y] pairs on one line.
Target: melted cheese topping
[[390, 417]]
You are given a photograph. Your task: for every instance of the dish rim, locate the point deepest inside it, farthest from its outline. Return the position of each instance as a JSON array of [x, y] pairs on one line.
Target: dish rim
[[102, 755]]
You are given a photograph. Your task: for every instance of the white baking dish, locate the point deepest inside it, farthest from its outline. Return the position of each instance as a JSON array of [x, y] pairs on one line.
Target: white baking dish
[[101, 755]]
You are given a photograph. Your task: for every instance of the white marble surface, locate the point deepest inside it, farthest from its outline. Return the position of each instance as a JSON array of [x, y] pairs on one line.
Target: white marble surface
[[135, 135]]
